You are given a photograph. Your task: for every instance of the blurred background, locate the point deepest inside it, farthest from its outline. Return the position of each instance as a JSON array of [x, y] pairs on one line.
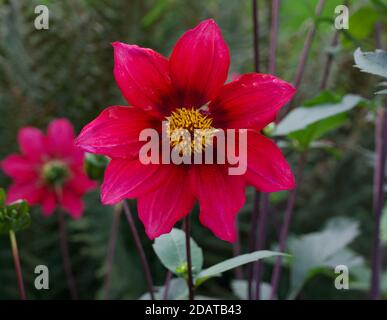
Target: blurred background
[[66, 71]]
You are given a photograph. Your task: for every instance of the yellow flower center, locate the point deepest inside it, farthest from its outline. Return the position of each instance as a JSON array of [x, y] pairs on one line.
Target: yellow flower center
[[189, 130]]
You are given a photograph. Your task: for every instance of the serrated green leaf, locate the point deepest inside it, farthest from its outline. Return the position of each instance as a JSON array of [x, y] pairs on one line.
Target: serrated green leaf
[[171, 250], [372, 62], [232, 263]]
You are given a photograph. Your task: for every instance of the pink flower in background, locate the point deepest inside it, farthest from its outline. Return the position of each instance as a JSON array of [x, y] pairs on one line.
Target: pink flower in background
[[188, 88], [49, 171]]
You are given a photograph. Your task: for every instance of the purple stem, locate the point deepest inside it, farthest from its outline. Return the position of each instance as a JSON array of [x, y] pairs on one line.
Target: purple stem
[[167, 283], [254, 218], [304, 56], [330, 56], [236, 251], [273, 35], [264, 210], [261, 240], [111, 249], [252, 242], [285, 226], [66, 256], [378, 201], [328, 64], [140, 249]]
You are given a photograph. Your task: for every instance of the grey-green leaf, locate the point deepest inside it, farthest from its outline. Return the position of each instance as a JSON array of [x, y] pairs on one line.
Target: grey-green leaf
[[323, 249], [372, 62], [302, 117], [171, 250], [239, 288], [232, 263]]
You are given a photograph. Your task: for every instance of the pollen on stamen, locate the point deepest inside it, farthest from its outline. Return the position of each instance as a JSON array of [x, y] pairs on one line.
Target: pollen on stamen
[[198, 125]]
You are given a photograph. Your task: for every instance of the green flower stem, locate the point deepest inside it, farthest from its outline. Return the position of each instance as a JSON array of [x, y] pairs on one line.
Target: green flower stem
[[187, 227], [16, 259], [140, 249], [111, 249]]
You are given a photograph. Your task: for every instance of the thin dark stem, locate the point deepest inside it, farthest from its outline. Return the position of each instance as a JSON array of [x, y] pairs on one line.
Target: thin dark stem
[[254, 217], [256, 35], [236, 251], [304, 55], [111, 249], [167, 283], [263, 216], [261, 240], [66, 256], [16, 260], [273, 35], [380, 160], [307, 45], [252, 241], [330, 56], [328, 64], [285, 226], [187, 227], [140, 249], [379, 172]]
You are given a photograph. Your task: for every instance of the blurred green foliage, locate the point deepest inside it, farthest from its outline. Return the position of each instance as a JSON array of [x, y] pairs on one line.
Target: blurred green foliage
[[66, 71]]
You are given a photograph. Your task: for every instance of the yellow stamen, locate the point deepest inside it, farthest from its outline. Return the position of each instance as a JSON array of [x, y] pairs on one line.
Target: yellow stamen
[[196, 123]]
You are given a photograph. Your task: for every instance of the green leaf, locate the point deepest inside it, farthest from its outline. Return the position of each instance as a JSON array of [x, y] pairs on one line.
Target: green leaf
[[171, 250], [302, 117], [384, 91], [232, 263], [306, 124], [315, 252], [372, 62], [14, 217], [240, 287], [361, 24]]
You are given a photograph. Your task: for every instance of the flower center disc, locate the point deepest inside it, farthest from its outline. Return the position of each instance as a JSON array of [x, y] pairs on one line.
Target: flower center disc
[[189, 130], [55, 172]]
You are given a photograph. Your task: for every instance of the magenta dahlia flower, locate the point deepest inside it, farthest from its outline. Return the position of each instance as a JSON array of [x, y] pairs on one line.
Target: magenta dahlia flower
[[187, 91], [49, 171]]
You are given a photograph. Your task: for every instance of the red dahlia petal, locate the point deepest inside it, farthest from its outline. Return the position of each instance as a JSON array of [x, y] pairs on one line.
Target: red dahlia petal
[[267, 168], [220, 196], [29, 191], [115, 132], [60, 138], [32, 143], [161, 209], [130, 179], [199, 64], [19, 168], [143, 77], [251, 101]]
